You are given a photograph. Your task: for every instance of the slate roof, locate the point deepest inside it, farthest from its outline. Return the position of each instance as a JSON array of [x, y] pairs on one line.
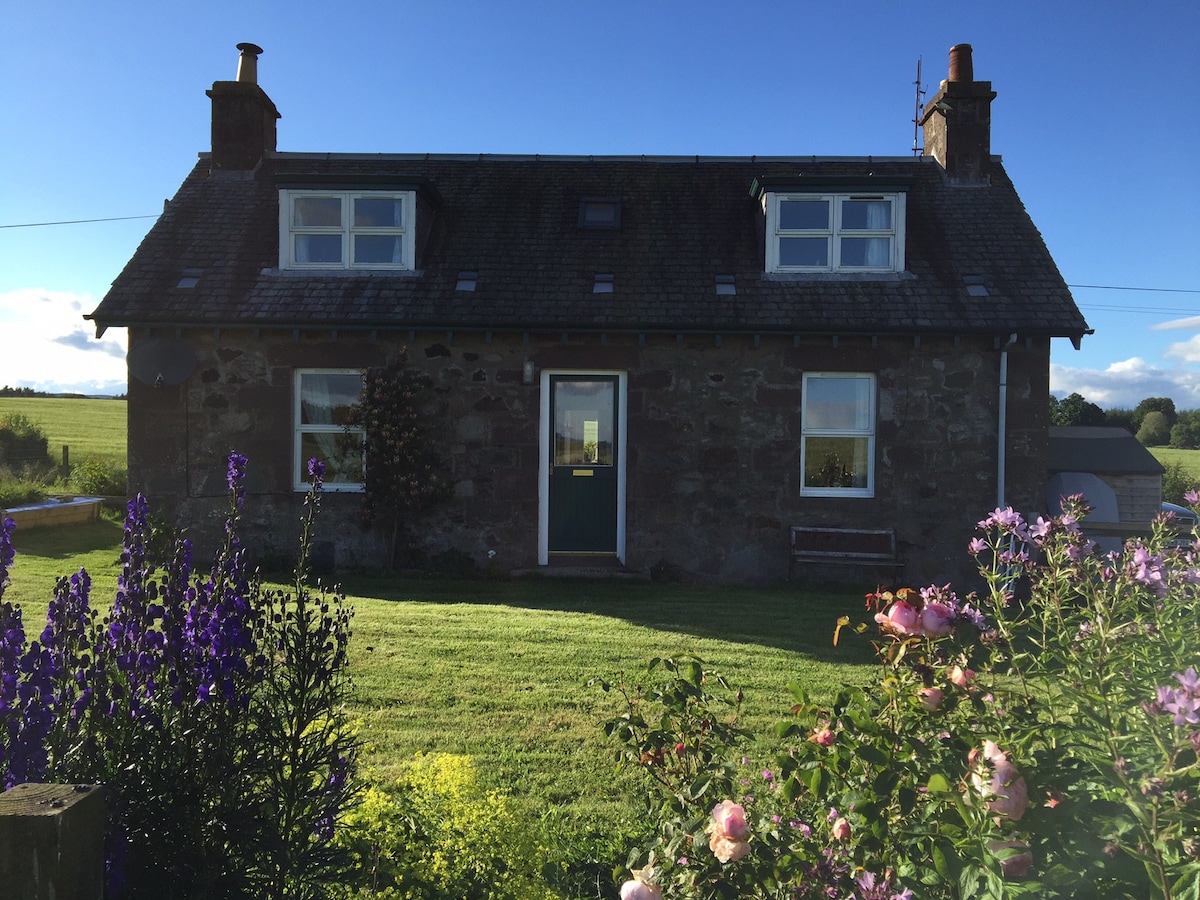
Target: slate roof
[[1100, 450], [514, 220]]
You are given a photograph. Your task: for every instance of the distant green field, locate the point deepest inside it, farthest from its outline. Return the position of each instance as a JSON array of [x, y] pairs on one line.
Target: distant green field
[[91, 428], [1189, 459]]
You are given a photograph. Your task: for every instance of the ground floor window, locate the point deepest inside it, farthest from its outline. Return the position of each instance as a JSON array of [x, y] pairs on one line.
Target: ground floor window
[[837, 442], [323, 399]]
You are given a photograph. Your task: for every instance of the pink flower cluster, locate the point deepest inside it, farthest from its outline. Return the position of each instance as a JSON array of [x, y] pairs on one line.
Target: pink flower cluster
[[1182, 702], [932, 613], [728, 831]]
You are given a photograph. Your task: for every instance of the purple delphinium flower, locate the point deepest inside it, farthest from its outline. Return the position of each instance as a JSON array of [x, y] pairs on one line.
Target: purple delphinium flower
[[1182, 702], [235, 476], [7, 553]]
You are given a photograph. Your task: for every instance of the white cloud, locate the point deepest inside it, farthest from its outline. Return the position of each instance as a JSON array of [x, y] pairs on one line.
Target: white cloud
[[1178, 324], [1127, 383], [48, 346]]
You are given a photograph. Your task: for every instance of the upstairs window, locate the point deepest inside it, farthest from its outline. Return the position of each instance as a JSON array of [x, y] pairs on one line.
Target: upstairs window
[[837, 435], [346, 229], [834, 232], [323, 401]]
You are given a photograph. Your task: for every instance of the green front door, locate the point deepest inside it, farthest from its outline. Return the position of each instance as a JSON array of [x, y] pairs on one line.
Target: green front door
[[583, 464]]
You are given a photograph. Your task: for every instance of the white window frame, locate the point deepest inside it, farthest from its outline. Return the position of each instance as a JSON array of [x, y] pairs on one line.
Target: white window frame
[[300, 479], [867, 432], [347, 230], [834, 233]]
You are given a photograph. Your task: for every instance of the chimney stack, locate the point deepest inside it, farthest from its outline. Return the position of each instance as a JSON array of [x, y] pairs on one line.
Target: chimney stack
[[243, 117], [958, 122]]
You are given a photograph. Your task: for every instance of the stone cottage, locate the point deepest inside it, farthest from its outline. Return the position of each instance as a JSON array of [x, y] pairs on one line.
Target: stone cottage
[[635, 360]]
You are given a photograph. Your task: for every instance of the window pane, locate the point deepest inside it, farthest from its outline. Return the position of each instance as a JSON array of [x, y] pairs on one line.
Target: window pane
[[867, 252], [583, 423], [600, 213], [319, 248], [837, 403], [873, 215], [383, 249], [803, 214], [341, 453], [325, 399], [317, 212], [375, 212], [804, 251], [837, 462]]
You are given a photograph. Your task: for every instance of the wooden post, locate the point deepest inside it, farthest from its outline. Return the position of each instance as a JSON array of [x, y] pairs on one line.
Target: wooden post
[[52, 842], [66, 456]]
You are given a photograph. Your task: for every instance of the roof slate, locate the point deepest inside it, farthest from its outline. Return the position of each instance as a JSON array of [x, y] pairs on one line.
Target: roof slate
[[514, 220]]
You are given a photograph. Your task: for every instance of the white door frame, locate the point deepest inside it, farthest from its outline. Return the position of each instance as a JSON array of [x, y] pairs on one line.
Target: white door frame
[[544, 452]]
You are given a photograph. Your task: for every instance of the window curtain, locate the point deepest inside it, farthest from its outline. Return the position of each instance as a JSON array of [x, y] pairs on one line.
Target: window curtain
[[879, 218]]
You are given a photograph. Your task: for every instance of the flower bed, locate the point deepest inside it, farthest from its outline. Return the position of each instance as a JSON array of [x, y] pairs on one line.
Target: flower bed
[[56, 511]]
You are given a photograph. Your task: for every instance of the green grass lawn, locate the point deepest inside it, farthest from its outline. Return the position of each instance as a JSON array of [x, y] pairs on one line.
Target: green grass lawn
[[1189, 459], [498, 670], [91, 428]]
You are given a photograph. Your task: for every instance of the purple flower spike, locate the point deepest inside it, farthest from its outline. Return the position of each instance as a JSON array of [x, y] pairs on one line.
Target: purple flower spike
[[316, 471]]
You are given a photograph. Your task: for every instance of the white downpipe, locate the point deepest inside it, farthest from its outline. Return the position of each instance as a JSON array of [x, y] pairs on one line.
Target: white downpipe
[[1002, 423]]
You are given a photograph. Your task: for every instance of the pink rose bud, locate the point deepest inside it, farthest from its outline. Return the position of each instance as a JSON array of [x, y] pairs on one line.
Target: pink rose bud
[[680, 749], [1016, 866], [930, 697], [729, 819], [822, 736], [841, 830], [901, 618], [960, 677], [639, 890]]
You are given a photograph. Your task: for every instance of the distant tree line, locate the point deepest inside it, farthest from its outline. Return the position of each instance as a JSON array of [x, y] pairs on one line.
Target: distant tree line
[[1154, 422], [7, 391]]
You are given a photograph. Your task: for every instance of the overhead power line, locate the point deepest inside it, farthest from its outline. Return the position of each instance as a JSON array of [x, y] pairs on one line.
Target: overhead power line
[[1114, 287], [80, 221]]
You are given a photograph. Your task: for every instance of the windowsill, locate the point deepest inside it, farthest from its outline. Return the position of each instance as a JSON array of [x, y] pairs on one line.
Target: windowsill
[[839, 276], [342, 273]]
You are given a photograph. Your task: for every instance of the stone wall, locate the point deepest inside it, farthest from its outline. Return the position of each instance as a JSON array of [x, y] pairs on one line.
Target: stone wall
[[713, 442]]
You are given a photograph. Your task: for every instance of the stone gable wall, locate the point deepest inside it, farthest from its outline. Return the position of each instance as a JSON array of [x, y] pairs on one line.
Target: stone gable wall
[[713, 442]]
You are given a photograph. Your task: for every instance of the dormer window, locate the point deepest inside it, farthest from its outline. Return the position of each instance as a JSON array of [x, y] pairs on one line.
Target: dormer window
[[814, 232], [346, 229]]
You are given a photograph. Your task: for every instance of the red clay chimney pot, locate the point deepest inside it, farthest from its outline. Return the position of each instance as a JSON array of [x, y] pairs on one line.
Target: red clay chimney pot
[[247, 71], [961, 68]]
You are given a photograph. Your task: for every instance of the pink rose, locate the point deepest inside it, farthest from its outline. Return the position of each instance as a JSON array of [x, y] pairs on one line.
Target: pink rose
[[643, 885], [930, 697], [841, 830], [729, 819], [1016, 866], [1006, 788], [639, 890], [726, 849], [960, 677], [937, 619], [901, 618], [822, 736]]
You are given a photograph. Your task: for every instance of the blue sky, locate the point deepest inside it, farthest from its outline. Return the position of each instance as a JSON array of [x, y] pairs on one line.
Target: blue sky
[[1097, 118]]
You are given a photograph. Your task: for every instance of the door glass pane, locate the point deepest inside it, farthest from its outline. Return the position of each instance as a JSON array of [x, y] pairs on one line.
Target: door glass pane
[[837, 403], [583, 423], [317, 211], [803, 251], [803, 214], [377, 212], [835, 462]]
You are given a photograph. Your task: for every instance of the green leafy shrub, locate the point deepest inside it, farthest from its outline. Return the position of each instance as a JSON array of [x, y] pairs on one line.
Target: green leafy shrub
[[1046, 747], [97, 477], [23, 444], [19, 489], [437, 833]]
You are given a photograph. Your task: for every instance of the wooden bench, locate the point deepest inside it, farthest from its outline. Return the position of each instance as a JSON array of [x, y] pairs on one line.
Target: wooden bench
[[867, 547]]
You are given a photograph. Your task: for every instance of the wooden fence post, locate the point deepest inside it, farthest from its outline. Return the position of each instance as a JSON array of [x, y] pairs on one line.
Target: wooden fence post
[[52, 842]]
